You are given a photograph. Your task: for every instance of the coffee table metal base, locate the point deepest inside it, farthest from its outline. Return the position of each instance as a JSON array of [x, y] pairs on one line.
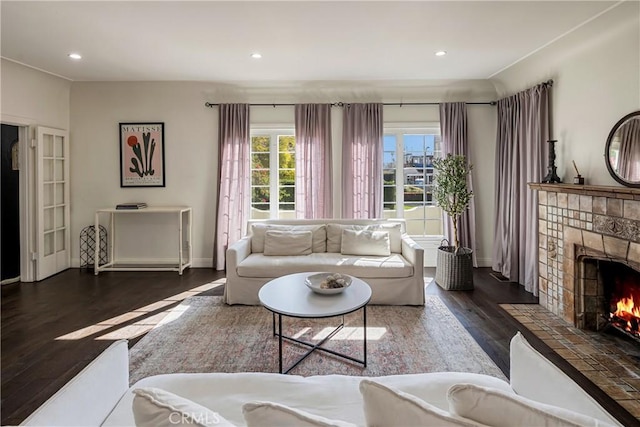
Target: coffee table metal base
[[317, 346]]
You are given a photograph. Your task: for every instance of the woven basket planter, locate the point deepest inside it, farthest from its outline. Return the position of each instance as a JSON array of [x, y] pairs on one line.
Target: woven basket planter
[[454, 269]]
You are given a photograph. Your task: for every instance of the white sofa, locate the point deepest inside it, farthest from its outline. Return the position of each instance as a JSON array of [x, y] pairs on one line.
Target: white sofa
[[100, 394], [395, 279]]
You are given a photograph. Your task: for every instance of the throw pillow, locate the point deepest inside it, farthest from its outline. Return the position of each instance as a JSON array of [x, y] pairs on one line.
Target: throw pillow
[[496, 408], [387, 406], [365, 242], [287, 242], [259, 230], [261, 414], [334, 234], [154, 407]]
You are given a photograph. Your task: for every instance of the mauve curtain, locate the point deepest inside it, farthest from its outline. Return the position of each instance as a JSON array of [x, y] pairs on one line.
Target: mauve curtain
[[313, 161], [521, 148], [235, 174], [453, 127], [629, 156], [362, 133]]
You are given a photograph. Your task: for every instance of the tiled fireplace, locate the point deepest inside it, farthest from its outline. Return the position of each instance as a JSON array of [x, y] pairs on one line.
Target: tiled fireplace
[[578, 224], [589, 241]]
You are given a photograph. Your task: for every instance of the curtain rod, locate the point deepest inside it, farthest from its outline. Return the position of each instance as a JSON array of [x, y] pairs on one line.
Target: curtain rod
[[396, 104], [342, 104]]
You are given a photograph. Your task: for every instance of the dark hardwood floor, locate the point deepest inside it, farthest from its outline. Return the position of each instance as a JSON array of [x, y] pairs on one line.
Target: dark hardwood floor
[[53, 328]]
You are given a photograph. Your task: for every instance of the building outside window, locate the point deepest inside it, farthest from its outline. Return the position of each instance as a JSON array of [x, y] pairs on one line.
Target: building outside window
[[273, 162], [408, 179]]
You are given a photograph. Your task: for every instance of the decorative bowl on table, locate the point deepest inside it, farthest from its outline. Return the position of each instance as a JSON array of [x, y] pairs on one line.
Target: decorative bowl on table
[[327, 283]]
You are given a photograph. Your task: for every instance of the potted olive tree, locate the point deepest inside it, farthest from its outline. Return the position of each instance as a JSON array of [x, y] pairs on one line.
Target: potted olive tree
[[454, 268]]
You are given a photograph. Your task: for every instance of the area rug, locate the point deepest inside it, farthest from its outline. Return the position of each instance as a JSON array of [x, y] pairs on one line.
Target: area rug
[[203, 334]]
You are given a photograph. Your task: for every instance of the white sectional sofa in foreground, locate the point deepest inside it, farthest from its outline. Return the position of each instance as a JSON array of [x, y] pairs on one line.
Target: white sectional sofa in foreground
[[100, 395], [377, 251]]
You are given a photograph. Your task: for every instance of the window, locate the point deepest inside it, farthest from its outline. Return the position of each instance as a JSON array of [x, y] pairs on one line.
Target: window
[[408, 179], [273, 162]]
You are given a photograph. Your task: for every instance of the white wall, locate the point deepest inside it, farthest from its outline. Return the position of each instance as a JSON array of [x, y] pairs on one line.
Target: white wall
[[190, 163], [596, 74], [31, 97], [191, 147]]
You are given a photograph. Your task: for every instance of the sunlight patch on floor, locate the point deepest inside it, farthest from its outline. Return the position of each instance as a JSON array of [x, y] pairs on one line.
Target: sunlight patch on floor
[[352, 333], [300, 333], [427, 281], [147, 321]]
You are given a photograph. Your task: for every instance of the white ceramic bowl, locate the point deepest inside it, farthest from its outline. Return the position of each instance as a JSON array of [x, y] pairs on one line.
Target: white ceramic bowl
[[313, 282]]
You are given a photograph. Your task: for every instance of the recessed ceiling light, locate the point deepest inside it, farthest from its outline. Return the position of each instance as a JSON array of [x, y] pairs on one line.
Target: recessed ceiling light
[[256, 55], [441, 53], [75, 56]]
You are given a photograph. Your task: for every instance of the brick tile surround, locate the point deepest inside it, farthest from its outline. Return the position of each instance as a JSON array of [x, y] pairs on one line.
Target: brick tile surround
[[577, 221], [576, 225]]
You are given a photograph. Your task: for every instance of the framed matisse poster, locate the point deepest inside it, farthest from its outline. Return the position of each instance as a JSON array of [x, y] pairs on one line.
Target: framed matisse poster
[[142, 155]]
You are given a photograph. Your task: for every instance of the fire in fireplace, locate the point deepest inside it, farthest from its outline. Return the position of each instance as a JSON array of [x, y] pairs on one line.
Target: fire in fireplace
[[622, 291]]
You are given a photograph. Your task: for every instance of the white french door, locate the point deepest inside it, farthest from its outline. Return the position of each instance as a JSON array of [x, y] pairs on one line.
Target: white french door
[[53, 250]]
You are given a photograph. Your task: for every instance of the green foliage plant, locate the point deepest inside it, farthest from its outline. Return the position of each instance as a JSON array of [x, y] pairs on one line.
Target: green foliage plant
[[450, 188]]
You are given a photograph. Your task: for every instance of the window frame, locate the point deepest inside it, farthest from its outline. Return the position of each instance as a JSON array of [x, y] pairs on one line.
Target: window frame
[[399, 130], [273, 132]]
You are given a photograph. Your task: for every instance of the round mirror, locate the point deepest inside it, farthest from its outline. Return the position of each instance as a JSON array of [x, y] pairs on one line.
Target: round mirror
[[622, 151]]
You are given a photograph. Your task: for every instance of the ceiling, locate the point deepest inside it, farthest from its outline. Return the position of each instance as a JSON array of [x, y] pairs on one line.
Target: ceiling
[[299, 41]]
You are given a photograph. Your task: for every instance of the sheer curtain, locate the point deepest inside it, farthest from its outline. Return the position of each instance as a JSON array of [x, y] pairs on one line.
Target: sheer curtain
[[362, 161], [235, 173], [313, 161], [629, 156], [453, 126], [521, 147]]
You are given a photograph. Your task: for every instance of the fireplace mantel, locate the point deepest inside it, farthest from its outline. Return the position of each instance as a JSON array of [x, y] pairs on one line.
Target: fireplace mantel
[[590, 190]]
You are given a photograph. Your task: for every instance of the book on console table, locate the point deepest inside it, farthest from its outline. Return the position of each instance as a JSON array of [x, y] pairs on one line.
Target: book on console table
[[131, 206]]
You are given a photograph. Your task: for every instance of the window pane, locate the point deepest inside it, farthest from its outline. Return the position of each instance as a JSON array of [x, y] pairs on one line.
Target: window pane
[[48, 243], [389, 193], [287, 194], [389, 143], [286, 143], [413, 195], [389, 176], [260, 195], [47, 149], [287, 206], [260, 161], [260, 143], [287, 160], [287, 177], [260, 177]]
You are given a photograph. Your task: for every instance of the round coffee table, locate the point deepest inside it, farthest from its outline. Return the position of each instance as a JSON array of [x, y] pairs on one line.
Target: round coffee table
[[289, 296]]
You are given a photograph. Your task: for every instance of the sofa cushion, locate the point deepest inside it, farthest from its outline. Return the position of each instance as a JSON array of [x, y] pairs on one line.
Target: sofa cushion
[[334, 234], [259, 414], [258, 232], [387, 406], [154, 407], [259, 265], [292, 242], [365, 242], [481, 404], [332, 396]]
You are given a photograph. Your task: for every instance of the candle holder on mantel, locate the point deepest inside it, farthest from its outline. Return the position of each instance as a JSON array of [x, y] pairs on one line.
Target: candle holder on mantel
[[552, 176]]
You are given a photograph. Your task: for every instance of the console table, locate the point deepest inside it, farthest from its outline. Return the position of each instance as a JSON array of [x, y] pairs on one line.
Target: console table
[[181, 213]]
